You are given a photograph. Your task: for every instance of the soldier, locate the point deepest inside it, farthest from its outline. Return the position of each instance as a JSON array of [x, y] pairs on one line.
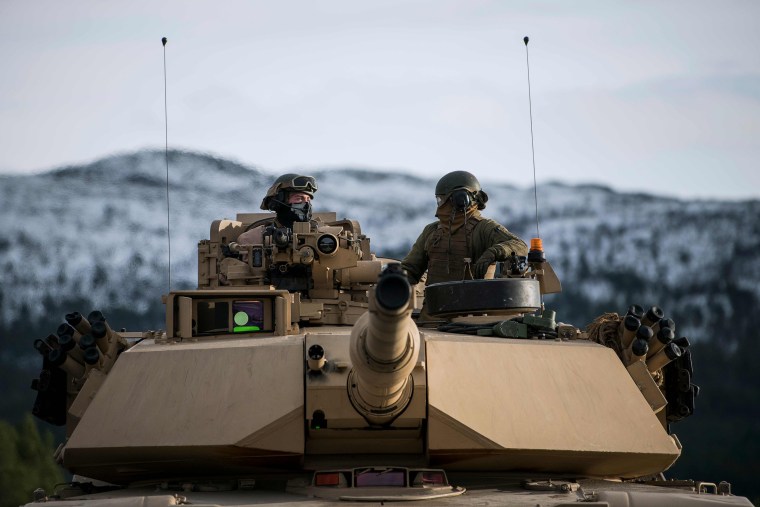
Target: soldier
[[290, 198], [447, 247]]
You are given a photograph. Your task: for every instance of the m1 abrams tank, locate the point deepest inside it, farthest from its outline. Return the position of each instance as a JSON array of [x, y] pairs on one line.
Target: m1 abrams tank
[[299, 371]]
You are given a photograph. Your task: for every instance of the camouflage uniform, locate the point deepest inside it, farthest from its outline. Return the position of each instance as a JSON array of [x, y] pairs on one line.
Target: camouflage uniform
[[442, 253]]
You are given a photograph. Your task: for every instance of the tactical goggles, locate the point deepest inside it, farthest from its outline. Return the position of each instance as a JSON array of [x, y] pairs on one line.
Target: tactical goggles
[[440, 199], [301, 184]]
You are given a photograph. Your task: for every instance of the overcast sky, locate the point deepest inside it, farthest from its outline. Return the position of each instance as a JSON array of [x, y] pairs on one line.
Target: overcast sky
[[660, 96]]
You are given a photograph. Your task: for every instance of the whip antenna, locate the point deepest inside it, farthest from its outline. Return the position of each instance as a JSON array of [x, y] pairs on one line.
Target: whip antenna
[[166, 158], [532, 149]]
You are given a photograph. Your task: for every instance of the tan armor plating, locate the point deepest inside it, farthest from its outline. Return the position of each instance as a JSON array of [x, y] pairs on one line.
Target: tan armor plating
[[446, 253]]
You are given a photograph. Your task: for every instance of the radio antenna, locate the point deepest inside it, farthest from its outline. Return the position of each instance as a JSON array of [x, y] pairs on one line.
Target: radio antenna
[[532, 149], [166, 158]]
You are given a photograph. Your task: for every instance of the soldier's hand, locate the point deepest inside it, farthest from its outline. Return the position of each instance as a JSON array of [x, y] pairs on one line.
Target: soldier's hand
[[481, 265]]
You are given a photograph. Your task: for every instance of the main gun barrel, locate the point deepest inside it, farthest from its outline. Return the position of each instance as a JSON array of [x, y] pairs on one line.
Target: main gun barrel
[[385, 345]]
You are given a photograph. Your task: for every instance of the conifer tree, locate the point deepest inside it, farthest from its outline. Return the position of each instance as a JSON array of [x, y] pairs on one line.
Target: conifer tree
[[26, 462]]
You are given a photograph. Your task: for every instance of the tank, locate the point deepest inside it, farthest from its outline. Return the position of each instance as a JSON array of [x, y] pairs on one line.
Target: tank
[[302, 370]]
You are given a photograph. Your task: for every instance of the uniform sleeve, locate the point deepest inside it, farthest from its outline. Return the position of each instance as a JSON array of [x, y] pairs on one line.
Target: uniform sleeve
[[416, 261], [498, 239]]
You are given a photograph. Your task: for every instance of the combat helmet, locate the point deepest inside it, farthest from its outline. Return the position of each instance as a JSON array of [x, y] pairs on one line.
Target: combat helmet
[[456, 180], [289, 182]]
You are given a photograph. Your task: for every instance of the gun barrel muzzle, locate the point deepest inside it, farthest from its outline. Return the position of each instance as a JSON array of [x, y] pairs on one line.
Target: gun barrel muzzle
[[65, 328], [95, 316], [385, 344], [87, 342], [637, 311], [662, 323], [644, 333], [639, 349], [682, 342], [62, 360], [659, 340], [76, 321], [103, 335], [628, 326], [668, 353], [42, 346], [69, 345], [92, 359], [654, 314]]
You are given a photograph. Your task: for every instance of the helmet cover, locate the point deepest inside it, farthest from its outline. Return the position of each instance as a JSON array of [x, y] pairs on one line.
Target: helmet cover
[[285, 184], [456, 180]]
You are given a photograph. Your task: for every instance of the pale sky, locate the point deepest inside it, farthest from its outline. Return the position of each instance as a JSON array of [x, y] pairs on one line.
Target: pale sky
[[656, 96]]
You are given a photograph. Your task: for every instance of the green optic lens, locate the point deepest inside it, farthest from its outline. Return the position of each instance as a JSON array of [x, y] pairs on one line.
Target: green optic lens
[[241, 318]]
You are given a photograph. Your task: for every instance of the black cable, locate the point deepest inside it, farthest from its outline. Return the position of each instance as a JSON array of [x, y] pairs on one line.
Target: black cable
[[532, 149], [166, 157]]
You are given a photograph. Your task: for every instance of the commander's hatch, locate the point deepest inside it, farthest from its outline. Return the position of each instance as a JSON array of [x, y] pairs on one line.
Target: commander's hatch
[[222, 313]]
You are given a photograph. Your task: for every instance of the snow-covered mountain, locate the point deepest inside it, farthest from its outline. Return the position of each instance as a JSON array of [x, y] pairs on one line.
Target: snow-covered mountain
[[96, 234]]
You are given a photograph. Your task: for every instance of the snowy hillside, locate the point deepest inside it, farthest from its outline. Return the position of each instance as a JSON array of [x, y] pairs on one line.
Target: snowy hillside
[[97, 233]]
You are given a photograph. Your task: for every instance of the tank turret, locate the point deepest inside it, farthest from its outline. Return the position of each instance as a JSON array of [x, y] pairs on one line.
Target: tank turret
[[304, 358]]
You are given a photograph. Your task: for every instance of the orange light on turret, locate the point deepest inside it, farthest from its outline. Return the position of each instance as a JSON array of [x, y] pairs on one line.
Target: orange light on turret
[[536, 252]]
